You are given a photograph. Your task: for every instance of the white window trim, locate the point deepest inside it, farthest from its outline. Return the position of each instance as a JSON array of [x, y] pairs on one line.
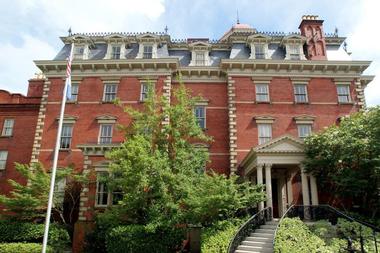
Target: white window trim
[[253, 50], [104, 91], [86, 51], [109, 193], [349, 93], [206, 57], [3, 133], [299, 125], [268, 93], [306, 92], [270, 130], [100, 132], [5, 160], [205, 114], [140, 54], [300, 49], [73, 83], [109, 50], [71, 136]]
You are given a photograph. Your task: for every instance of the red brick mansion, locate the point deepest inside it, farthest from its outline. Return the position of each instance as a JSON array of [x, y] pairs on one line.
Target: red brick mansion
[[264, 92]]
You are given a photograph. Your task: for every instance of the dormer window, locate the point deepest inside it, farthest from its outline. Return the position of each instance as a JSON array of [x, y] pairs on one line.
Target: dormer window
[[200, 59], [115, 54], [148, 52], [294, 52], [78, 52], [294, 47], [259, 51]]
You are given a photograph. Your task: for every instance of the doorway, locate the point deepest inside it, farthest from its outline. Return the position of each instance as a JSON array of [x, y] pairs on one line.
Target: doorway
[[275, 198]]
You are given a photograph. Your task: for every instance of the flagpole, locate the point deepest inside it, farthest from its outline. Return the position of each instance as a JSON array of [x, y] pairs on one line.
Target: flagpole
[[56, 153]]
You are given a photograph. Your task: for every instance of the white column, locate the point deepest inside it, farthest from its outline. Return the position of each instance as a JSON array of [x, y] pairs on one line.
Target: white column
[[259, 170], [314, 190], [289, 188], [282, 196], [305, 188], [268, 185]]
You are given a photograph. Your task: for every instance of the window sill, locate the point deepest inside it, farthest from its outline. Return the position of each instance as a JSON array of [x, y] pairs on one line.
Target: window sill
[[301, 103], [263, 102], [64, 149], [107, 102], [101, 206], [6, 136], [72, 102], [345, 103]]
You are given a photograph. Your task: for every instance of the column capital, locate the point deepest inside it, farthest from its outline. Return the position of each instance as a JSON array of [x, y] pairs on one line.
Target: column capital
[[260, 165], [268, 165], [302, 167]]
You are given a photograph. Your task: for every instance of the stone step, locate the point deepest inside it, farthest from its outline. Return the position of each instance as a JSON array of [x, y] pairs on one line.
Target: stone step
[[258, 244], [263, 235], [258, 239], [264, 230], [268, 226], [245, 251], [271, 223], [254, 248]]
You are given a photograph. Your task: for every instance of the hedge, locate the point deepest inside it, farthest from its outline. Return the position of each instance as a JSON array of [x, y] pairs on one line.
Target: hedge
[[13, 231], [217, 237], [137, 238], [22, 248]]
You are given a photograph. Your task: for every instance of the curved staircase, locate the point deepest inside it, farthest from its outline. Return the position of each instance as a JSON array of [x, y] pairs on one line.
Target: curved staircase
[[261, 240]]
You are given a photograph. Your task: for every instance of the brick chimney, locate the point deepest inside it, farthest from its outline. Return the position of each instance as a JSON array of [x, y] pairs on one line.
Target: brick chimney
[[312, 28]]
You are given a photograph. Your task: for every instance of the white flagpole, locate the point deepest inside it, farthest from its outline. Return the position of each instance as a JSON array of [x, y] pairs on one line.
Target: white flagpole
[[56, 153]]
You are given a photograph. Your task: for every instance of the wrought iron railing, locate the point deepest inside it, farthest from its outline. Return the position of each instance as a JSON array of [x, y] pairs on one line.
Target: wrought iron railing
[[249, 226], [365, 243]]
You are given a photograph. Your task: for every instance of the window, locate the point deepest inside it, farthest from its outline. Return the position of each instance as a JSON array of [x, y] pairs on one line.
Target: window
[[78, 52], [110, 91], [259, 51], [343, 93], [304, 130], [105, 134], [8, 127], [103, 196], [200, 115], [66, 135], [115, 52], [3, 159], [199, 59], [294, 52], [148, 52], [300, 93], [101, 190], [265, 133], [74, 92], [262, 93], [144, 91]]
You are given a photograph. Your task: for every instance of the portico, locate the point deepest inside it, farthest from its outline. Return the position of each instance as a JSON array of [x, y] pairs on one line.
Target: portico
[[278, 165]]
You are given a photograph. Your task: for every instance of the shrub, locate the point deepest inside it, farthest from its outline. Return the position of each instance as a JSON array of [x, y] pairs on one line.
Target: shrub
[[217, 237], [294, 236], [22, 248], [137, 238], [12, 231]]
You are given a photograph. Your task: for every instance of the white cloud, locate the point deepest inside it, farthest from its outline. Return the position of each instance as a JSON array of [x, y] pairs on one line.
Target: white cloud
[[364, 43], [17, 65]]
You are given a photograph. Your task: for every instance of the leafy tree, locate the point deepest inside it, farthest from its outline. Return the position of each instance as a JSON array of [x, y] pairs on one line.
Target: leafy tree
[[161, 173], [28, 202], [346, 159]]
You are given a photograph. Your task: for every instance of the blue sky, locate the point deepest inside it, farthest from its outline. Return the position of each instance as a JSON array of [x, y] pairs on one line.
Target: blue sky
[[30, 29]]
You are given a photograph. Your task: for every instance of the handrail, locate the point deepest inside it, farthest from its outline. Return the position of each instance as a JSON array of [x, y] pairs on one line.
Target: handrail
[[248, 227], [279, 222]]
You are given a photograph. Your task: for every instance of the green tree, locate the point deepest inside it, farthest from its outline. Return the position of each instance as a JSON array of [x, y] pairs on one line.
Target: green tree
[[161, 173], [346, 159], [28, 202]]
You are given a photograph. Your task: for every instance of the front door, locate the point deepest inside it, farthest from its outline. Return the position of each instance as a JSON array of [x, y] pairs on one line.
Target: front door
[[275, 198]]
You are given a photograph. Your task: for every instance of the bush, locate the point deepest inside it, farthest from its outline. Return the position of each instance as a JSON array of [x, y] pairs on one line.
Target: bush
[[22, 248], [137, 238], [217, 237], [294, 236], [12, 231]]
